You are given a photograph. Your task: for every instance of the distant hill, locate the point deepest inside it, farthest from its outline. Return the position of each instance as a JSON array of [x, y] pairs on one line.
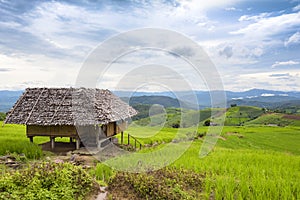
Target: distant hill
[[270, 99], [164, 101], [234, 116], [8, 99], [175, 117], [256, 97]]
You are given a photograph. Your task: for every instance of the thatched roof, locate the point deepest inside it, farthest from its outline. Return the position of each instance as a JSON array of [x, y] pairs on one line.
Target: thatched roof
[[68, 106]]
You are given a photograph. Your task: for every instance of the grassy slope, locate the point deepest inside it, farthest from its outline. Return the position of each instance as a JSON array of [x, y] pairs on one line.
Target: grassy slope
[[248, 163], [282, 139], [275, 119], [245, 174], [13, 139], [175, 116], [239, 115], [254, 162]]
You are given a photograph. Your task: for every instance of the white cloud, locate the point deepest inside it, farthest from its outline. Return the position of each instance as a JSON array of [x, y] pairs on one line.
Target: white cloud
[[284, 63], [294, 39], [264, 80], [36, 70], [232, 9], [70, 31], [254, 17], [296, 8], [264, 27], [267, 95]]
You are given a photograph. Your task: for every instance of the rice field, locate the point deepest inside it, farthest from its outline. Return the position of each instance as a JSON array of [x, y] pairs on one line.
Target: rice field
[[248, 162], [13, 140]]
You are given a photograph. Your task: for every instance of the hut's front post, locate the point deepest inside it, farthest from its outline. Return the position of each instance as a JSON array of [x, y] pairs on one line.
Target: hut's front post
[[52, 141], [122, 135], [77, 143], [31, 138]]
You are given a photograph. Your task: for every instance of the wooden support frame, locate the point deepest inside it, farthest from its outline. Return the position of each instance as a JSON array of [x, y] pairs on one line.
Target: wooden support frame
[[122, 137], [77, 143], [30, 138], [52, 142]]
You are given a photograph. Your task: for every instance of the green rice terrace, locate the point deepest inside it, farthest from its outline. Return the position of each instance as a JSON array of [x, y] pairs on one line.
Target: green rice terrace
[[257, 156]]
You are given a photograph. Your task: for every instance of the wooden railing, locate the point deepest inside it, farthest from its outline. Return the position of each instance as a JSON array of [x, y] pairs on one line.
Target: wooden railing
[[136, 142]]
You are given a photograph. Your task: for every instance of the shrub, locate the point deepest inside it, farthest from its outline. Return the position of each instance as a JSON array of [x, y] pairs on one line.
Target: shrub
[[46, 181], [207, 122], [168, 183], [31, 150], [2, 116]]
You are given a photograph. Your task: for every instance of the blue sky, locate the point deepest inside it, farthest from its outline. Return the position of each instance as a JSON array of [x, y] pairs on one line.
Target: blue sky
[[253, 43]]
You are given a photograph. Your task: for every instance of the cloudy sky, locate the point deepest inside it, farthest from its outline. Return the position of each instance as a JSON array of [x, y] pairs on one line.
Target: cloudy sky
[[252, 43]]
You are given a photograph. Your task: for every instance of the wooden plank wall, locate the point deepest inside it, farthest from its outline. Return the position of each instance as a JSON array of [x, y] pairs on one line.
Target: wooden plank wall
[[55, 131], [111, 129]]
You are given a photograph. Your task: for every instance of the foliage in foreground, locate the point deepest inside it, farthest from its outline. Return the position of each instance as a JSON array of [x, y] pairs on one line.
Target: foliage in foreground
[[168, 183], [46, 181], [30, 150], [245, 174]]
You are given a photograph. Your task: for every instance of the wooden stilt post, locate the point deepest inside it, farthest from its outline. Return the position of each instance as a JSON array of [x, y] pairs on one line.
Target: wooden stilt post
[[31, 138], [135, 144], [71, 140], [77, 143], [122, 135], [128, 139], [52, 142]]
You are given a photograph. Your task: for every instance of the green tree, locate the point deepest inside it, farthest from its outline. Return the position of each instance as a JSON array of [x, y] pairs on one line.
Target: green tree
[[2, 116], [207, 122]]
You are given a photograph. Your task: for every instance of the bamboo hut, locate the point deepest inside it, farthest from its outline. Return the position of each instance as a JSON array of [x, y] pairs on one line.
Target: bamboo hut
[[86, 115]]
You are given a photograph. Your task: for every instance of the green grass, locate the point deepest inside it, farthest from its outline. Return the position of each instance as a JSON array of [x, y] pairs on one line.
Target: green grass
[[181, 117], [248, 162], [283, 139], [239, 115], [230, 173], [13, 140], [274, 119], [245, 174]]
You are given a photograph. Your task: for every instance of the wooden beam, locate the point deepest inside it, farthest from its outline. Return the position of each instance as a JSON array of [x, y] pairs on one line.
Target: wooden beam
[[77, 143], [52, 142], [122, 135]]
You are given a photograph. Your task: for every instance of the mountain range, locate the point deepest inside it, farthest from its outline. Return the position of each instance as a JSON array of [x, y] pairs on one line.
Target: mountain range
[[186, 99]]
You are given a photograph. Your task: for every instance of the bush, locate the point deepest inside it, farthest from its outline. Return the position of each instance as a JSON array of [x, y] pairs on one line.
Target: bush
[[168, 183], [102, 173], [31, 150], [207, 122], [2, 116], [47, 181]]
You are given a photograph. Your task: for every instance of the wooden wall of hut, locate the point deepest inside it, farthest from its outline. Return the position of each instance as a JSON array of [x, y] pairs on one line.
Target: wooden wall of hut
[[114, 128], [53, 131], [121, 126], [111, 129]]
